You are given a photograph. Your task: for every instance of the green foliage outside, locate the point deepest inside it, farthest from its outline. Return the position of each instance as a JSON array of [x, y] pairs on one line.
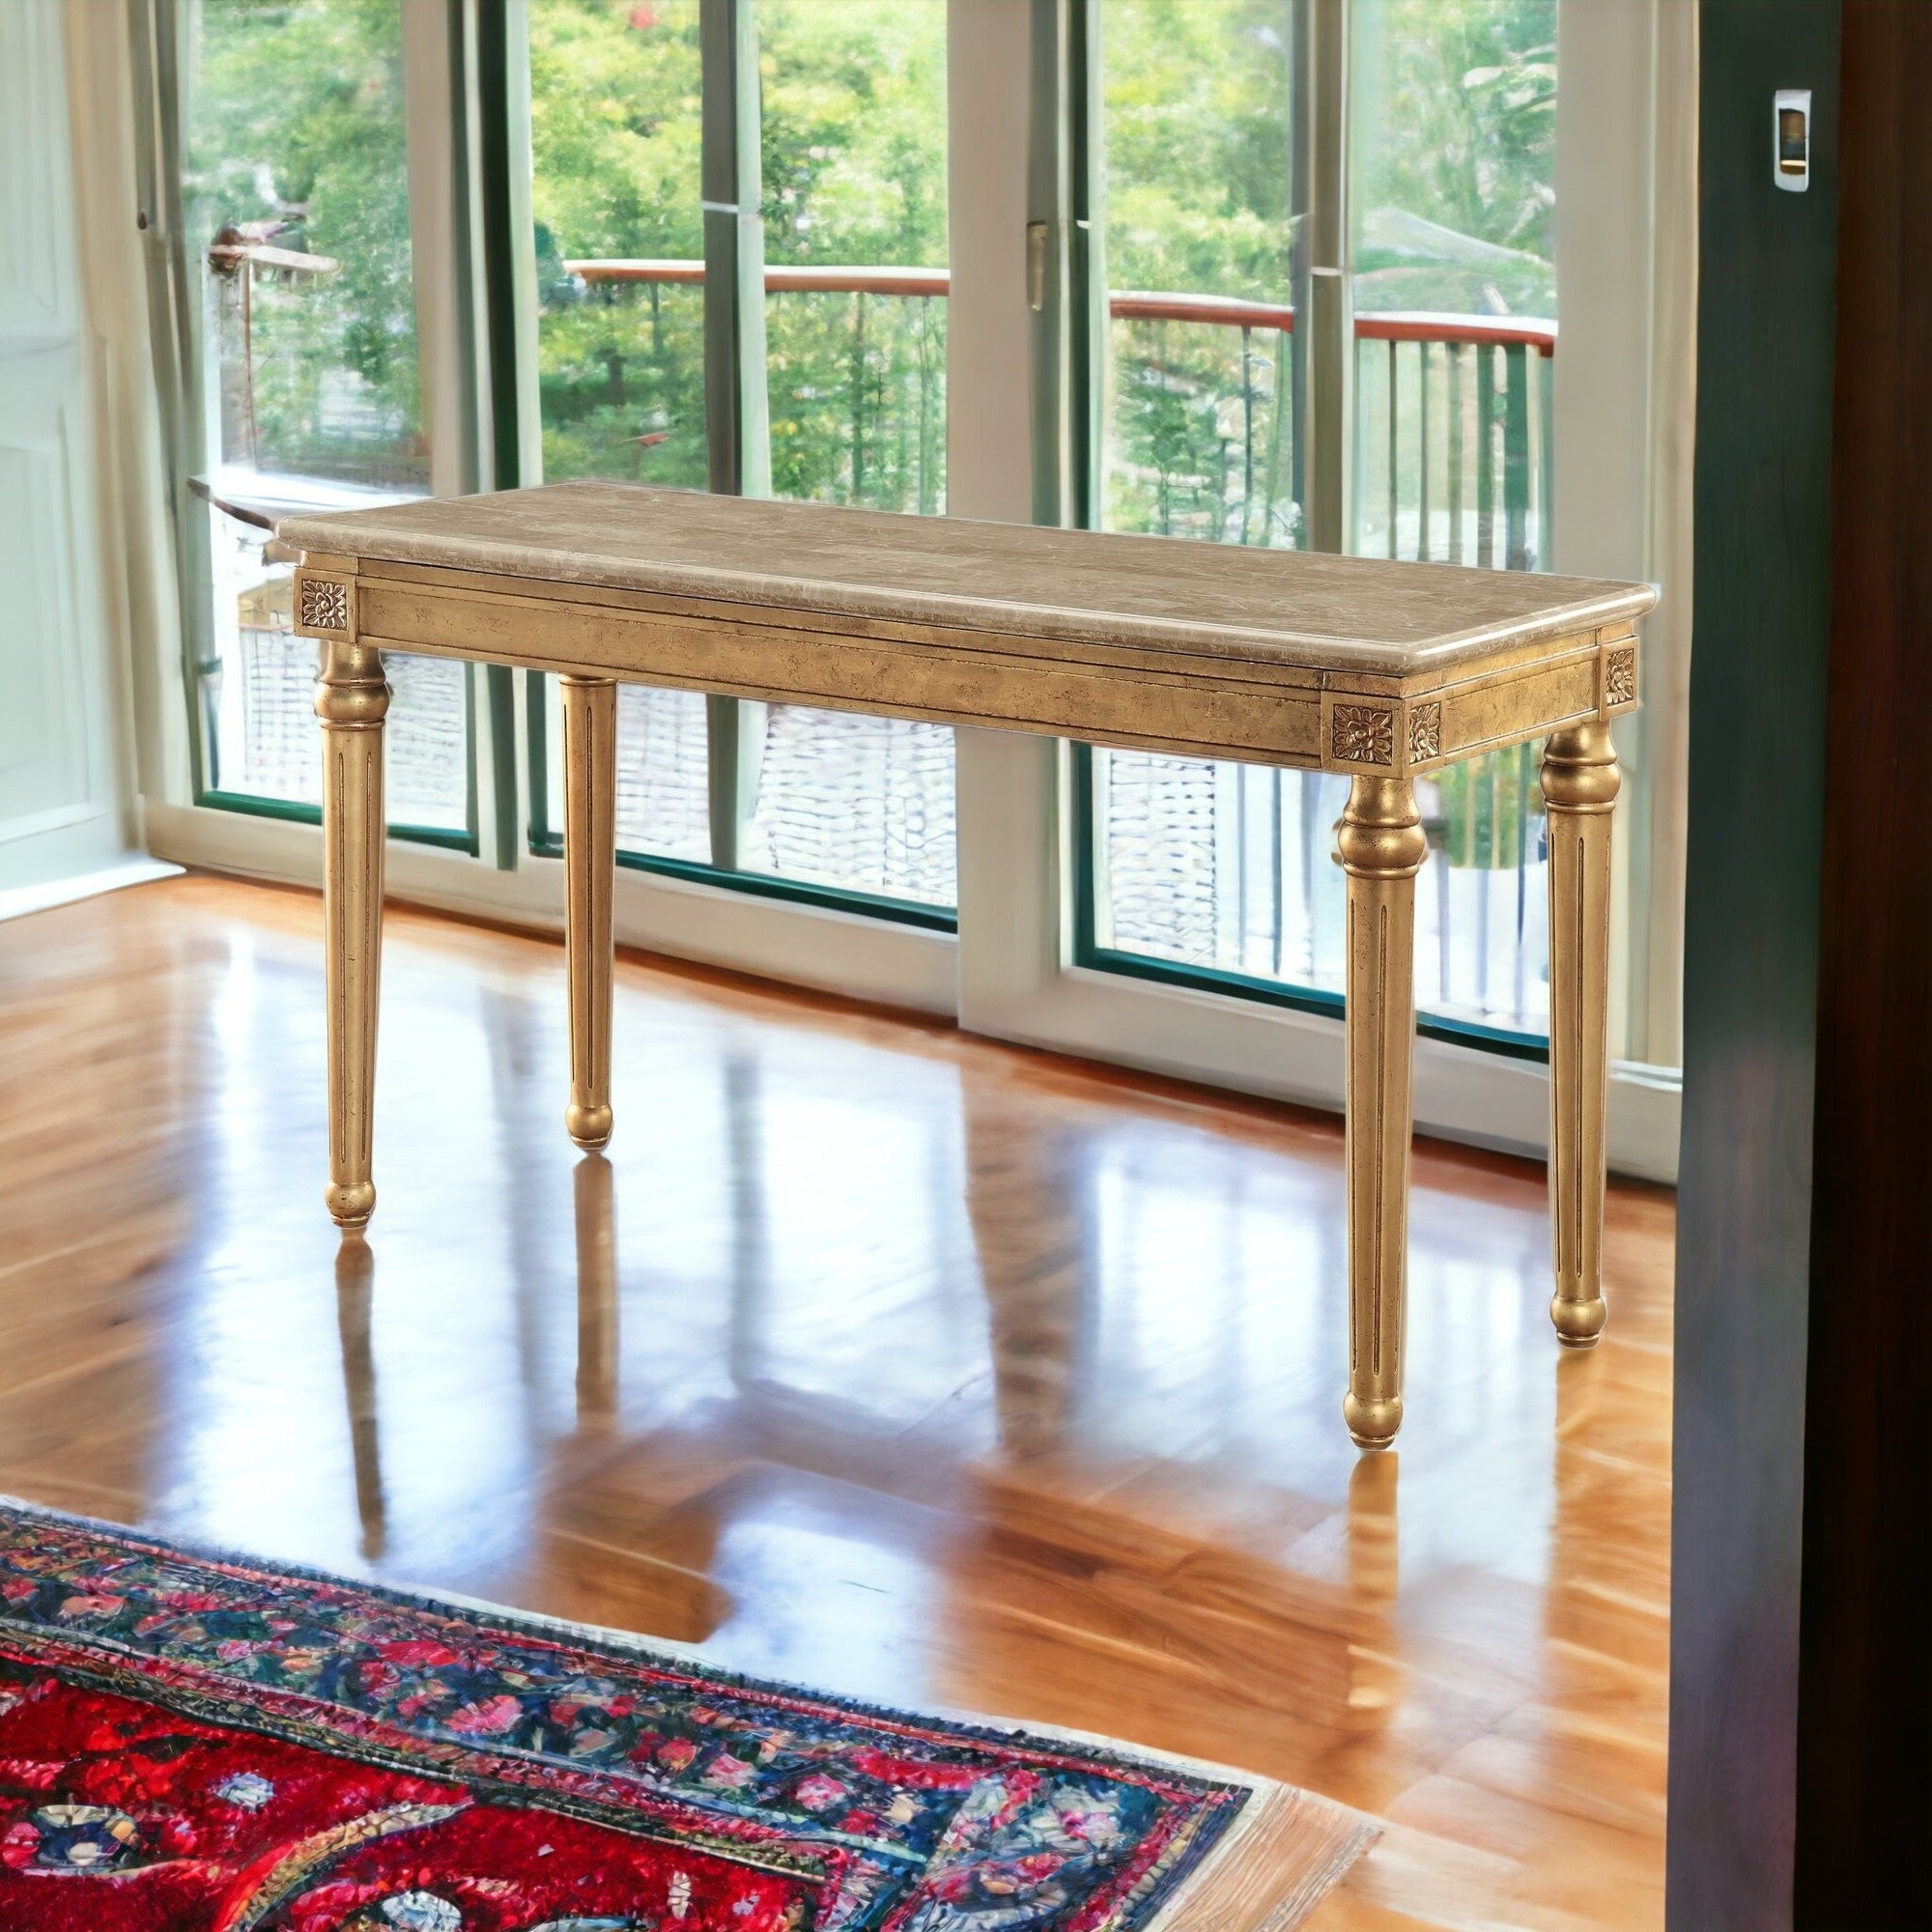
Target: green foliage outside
[[1456, 152], [854, 173], [1453, 122], [853, 155], [615, 130], [1196, 122], [296, 122], [294, 127], [1456, 156], [1195, 107]]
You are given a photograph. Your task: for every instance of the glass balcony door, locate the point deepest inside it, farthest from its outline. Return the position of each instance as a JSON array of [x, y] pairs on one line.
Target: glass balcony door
[[834, 389], [1210, 116], [296, 228]]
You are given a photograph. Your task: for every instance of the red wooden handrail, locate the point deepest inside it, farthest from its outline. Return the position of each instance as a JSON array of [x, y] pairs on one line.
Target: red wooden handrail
[[1230, 311], [263, 255], [1426, 326], [1125, 304]]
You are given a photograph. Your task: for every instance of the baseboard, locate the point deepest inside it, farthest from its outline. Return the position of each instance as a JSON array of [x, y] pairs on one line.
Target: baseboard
[[136, 870]]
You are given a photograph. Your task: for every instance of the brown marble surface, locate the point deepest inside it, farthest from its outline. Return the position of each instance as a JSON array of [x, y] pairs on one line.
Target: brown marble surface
[[1294, 608]]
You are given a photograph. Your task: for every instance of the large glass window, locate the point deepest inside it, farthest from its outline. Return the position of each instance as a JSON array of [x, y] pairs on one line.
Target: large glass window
[[1223, 870], [853, 139], [1199, 439], [616, 123], [297, 203]]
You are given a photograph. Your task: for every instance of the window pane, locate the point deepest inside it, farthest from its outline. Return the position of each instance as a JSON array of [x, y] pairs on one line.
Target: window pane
[[1228, 867], [1454, 120], [615, 131], [863, 804], [260, 698], [297, 200], [1225, 866], [616, 123], [1198, 424], [1454, 123], [854, 102], [854, 140], [662, 766]]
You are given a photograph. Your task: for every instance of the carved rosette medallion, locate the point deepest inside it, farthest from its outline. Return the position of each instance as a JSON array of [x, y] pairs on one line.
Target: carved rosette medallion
[[322, 603], [1620, 676], [1362, 734], [1425, 732]]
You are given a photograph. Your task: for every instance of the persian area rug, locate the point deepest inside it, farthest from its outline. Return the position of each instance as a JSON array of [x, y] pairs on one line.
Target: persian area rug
[[198, 1744]]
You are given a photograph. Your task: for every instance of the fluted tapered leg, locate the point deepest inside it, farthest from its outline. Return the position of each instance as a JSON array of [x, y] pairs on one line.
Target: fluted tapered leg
[[351, 700], [596, 1291], [590, 864], [1380, 844], [1579, 788]]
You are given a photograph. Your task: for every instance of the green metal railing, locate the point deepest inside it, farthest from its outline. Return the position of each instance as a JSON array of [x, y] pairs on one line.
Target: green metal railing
[[1451, 465]]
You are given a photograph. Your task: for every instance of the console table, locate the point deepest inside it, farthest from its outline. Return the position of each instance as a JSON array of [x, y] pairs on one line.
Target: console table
[[1379, 670]]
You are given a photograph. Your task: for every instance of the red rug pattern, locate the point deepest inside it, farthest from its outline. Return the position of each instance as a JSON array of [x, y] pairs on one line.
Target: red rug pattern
[[191, 1743]]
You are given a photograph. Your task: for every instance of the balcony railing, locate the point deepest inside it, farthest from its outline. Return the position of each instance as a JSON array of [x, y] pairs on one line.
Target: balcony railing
[[1204, 869], [1464, 477], [1224, 869]]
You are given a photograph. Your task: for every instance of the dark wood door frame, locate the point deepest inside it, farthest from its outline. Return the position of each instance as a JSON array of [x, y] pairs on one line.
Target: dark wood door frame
[[1864, 1715], [1800, 1720]]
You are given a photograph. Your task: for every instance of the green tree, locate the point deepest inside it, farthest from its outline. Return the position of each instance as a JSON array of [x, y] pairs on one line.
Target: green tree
[[616, 129], [295, 132], [1455, 145], [1453, 104], [1196, 106], [853, 143]]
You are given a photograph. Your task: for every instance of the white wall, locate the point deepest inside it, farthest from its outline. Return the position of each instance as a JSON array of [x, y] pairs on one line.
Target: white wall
[[66, 789]]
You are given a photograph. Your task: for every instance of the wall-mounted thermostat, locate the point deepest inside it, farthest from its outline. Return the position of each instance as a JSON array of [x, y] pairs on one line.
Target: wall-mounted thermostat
[[1791, 138]]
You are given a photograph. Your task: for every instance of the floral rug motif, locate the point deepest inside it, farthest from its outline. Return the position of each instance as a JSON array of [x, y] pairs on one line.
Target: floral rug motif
[[193, 1744]]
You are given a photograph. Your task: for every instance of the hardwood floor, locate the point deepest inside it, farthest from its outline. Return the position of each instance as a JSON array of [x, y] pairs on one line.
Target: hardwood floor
[[875, 1356]]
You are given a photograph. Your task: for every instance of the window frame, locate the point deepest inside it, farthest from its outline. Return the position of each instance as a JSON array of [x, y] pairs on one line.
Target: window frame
[[546, 842], [162, 35], [1086, 951], [1025, 973], [1010, 962], [737, 434], [1327, 442]]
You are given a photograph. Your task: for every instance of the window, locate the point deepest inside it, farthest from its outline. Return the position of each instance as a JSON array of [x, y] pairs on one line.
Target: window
[[297, 207], [1221, 871], [852, 117], [853, 135], [616, 127], [1199, 439], [1197, 381]]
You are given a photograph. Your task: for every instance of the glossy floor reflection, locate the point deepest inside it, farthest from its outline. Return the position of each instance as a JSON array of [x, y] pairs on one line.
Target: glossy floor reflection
[[874, 1357]]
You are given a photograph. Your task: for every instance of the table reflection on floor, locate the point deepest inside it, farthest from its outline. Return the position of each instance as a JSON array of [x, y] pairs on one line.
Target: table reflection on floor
[[874, 1357]]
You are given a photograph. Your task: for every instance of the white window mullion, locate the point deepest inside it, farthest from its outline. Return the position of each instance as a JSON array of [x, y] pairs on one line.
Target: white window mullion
[[1007, 784]]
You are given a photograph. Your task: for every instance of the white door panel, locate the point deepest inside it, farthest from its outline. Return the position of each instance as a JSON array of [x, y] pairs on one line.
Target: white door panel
[[62, 804], [47, 698], [37, 281]]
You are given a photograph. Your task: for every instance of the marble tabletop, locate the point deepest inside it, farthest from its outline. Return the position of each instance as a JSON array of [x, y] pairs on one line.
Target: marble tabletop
[[847, 568]]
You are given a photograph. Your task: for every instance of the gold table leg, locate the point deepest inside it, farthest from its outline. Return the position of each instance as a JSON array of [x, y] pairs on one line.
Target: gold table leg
[[351, 700], [1381, 848], [1580, 789], [589, 866], [596, 1291]]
